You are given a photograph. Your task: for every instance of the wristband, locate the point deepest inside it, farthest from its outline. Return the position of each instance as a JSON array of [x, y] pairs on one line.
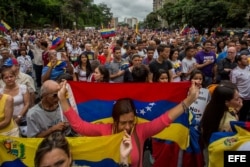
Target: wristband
[[184, 106]]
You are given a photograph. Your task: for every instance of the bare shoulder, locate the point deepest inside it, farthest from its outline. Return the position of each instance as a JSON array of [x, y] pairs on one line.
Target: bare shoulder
[[9, 99]]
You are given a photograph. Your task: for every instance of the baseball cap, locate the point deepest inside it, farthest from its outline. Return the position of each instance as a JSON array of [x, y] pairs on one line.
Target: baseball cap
[[10, 62]]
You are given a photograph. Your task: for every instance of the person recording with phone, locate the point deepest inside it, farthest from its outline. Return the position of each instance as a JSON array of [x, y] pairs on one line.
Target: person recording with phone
[[58, 64]]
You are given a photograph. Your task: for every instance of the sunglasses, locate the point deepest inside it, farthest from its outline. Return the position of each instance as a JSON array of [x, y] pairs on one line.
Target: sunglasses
[[54, 95]]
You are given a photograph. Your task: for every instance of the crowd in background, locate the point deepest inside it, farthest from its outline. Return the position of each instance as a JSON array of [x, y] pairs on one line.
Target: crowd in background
[[33, 63]]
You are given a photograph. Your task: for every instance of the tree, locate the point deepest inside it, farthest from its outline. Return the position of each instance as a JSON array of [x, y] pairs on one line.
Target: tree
[[36, 13], [106, 14], [152, 20], [206, 13], [166, 14]]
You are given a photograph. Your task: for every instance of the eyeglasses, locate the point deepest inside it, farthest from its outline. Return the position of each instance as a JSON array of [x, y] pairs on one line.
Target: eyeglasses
[[231, 52]]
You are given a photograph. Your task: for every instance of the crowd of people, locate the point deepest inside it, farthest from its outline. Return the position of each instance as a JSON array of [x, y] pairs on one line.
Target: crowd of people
[[36, 64]]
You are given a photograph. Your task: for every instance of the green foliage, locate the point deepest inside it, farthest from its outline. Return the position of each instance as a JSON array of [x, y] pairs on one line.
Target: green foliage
[[206, 13], [152, 20], [58, 13]]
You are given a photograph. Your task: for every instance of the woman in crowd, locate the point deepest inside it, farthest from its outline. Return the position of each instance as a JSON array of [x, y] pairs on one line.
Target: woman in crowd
[[19, 93], [222, 108], [101, 74], [196, 111], [7, 124], [162, 76], [174, 53], [220, 46], [124, 118], [55, 149], [74, 53], [83, 69], [25, 62]]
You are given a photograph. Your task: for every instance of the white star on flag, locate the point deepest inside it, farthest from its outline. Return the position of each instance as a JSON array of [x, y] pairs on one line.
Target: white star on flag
[[142, 111], [152, 104], [148, 108]]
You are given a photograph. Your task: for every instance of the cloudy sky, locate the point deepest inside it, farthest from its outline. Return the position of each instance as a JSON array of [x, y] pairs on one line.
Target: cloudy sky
[[128, 8]]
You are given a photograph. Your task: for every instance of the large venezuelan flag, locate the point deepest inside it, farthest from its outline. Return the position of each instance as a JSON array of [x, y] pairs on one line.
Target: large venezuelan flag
[[228, 141], [95, 102], [86, 151]]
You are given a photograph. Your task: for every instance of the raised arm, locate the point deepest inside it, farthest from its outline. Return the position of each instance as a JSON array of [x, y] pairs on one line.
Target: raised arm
[[79, 125], [62, 95], [153, 127], [180, 108]]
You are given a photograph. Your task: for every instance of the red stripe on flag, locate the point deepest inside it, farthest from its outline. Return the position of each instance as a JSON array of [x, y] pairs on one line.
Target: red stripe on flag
[[148, 92]]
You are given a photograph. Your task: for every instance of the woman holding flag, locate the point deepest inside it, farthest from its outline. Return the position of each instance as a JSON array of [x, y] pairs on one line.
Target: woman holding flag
[[124, 118], [223, 107]]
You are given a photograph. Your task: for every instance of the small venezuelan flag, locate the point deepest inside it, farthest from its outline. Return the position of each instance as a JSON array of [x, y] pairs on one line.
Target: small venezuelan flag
[[4, 26], [57, 43], [105, 33]]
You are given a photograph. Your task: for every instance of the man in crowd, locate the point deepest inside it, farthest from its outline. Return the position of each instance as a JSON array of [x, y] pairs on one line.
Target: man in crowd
[[226, 65], [150, 54], [188, 63], [37, 61], [117, 67], [5, 54], [56, 67], [45, 117], [161, 62], [241, 77], [206, 62], [91, 55]]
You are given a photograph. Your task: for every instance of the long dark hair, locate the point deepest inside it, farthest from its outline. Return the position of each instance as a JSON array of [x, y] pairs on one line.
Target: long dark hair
[[122, 106], [172, 53], [194, 72], [88, 66], [159, 72], [105, 72], [55, 140], [215, 109]]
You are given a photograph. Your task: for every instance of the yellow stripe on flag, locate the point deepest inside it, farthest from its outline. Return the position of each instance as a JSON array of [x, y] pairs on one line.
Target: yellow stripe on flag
[[5, 25], [93, 149]]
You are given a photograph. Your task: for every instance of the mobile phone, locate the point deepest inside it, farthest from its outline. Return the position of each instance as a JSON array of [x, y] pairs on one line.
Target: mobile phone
[[59, 56]]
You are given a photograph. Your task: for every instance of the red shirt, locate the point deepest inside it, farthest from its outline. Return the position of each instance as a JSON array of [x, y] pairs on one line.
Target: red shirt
[[45, 57]]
